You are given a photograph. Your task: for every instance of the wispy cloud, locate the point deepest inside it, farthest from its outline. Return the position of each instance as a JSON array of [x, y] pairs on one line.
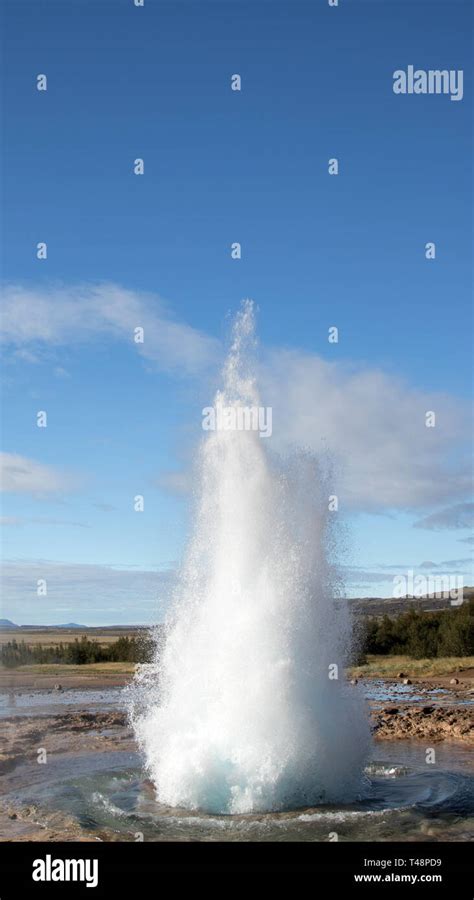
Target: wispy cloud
[[19, 474], [370, 424], [449, 565], [460, 515], [90, 594], [376, 580], [37, 318], [360, 577]]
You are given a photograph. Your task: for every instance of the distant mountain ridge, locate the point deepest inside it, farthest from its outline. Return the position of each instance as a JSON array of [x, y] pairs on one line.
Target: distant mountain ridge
[[7, 623]]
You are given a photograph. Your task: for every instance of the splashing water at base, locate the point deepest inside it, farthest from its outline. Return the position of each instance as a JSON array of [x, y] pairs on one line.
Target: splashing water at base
[[239, 713]]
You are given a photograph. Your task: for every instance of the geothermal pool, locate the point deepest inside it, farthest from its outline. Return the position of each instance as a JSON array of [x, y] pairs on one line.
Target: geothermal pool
[[104, 796], [94, 785]]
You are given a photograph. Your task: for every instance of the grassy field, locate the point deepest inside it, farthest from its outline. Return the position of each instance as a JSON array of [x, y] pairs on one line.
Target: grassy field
[[390, 666], [62, 669], [376, 666], [52, 636]]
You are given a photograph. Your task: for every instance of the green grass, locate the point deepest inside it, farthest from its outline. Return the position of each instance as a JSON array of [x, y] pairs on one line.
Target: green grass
[[390, 666]]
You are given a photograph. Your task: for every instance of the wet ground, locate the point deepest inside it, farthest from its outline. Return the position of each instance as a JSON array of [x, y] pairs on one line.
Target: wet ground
[[92, 785]]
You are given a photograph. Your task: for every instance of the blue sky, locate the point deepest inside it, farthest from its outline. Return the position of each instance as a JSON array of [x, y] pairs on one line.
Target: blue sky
[[317, 251]]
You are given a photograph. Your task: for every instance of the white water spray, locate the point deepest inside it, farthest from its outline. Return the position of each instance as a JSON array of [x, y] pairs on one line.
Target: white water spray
[[239, 712]]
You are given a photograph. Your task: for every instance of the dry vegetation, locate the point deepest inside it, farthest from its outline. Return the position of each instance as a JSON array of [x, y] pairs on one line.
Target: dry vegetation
[[49, 637], [63, 669], [390, 666]]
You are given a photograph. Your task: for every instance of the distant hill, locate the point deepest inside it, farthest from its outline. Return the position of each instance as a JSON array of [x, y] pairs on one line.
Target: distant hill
[[91, 630], [7, 625], [392, 606]]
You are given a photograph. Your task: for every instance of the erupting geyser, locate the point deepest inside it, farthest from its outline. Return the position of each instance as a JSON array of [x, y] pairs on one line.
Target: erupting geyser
[[241, 711]]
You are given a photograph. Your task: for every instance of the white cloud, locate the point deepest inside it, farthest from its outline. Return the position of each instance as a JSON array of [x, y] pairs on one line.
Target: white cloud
[[369, 424], [90, 594], [35, 318], [376, 579], [466, 562], [449, 564], [105, 594], [358, 576], [21, 475], [459, 516], [372, 427], [369, 428]]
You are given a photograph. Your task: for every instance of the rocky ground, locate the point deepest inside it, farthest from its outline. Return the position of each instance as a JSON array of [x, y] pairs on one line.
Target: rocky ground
[[78, 732], [449, 717], [71, 732], [432, 723]]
